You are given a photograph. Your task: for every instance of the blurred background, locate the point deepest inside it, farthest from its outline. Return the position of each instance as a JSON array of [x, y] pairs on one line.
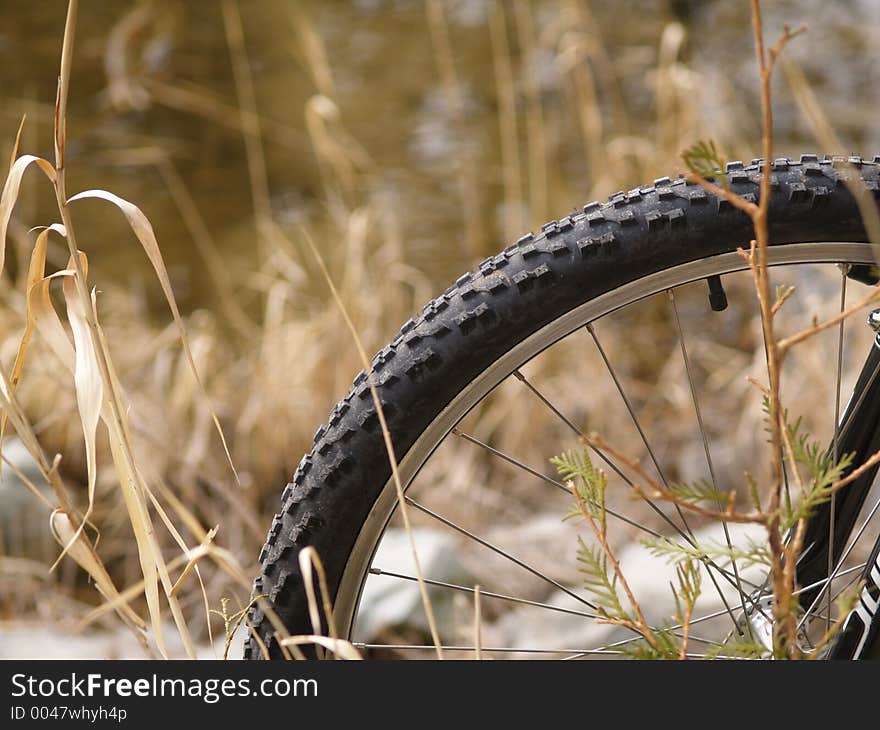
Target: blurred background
[[410, 139]]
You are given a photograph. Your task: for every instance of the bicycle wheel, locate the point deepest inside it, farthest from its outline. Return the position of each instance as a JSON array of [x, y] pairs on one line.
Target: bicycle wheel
[[475, 353]]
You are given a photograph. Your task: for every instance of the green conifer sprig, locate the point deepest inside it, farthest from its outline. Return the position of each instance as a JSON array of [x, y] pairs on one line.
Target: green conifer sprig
[[577, 468], [824, 472], [697, 492], [704, 159], [745, 556], [668, 646], [739, 648], [690, 582], [600, 581]]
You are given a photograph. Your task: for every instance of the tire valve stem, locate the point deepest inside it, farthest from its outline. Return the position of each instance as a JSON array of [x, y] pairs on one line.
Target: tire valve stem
[[717, 295]]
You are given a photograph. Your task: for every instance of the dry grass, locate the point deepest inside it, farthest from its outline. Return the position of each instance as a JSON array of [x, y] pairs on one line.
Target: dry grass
[[271, 350]]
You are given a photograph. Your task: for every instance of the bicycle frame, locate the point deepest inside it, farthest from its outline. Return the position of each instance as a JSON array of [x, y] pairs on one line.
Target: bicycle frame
[[830, 527]]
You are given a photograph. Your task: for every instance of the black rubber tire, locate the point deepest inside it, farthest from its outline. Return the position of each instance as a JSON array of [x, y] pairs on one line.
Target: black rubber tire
[[488, 311]]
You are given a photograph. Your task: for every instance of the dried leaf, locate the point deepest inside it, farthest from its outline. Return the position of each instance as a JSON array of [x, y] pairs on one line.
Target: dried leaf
[[341, 648], [83, 552], [36, 271], [134, 590], [310, 562], [46, 319], [135, 491], [10, 193], [143, 534], [17, 143], [86, 376], [143, 230]]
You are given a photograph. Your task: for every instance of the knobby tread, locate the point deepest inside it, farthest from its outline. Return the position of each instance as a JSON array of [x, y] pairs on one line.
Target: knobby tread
[[503, 300]]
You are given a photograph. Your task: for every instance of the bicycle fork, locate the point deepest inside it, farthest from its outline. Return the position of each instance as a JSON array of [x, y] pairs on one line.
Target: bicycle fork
[[859, 435]]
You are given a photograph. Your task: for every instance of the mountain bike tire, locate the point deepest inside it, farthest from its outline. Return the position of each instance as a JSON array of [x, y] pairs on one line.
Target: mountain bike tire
[[476, 332]]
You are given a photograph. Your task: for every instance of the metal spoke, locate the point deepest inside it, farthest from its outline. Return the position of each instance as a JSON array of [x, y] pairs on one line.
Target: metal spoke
[[825, 581], [632, 414], [846, 586], [689, 655], [836, 438], [701, 619], [503, 553], [840, 562], [483, 593], [559, 485], [493, 649], [694, 655], [710, 564], [693, 389], [589, 327], [501, 649], [601, 454], [722, 612], [543, 477], [675, 627], [522, 378], [499, 551], [844, 268], [624, 642], [515, 599]]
